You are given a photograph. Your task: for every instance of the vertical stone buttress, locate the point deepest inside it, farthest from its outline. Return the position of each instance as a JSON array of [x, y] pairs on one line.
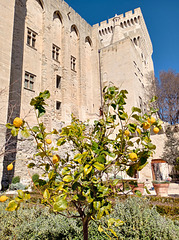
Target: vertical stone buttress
[[14, 102]]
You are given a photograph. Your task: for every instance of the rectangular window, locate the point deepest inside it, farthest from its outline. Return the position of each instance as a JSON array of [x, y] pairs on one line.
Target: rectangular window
[[31, 37], [29, 81], [73, 63], [58, 105], [55, 52], [58, 81]]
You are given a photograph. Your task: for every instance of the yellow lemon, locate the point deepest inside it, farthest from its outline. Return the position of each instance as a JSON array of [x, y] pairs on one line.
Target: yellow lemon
[[156, 130], [133, 156], [3, 198], [126, 132], [48, 141], [55, 159], [146, 125], [10, 167], [151, 120], [17, 122]]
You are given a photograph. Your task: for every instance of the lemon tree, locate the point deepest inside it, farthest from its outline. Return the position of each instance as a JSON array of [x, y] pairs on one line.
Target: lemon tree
[[116, 140]]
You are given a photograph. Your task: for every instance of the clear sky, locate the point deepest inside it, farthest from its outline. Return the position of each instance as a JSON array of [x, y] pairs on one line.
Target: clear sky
[[161, 18]]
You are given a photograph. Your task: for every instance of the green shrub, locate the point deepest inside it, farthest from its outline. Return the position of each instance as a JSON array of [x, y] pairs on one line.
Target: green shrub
[[17, 186], [16, 180], [143, 222], [35, 223]]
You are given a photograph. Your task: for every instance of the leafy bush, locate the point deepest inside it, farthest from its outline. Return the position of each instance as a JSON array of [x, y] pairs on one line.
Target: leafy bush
[[35, 177], [140, 222], [16, 180], [143, 222], [17, 186]]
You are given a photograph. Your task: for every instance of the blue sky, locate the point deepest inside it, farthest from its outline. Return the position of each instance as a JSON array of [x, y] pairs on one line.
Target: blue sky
[[161, 17]]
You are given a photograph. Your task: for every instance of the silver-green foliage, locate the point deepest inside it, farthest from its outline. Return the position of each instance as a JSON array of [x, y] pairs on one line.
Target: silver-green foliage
[[35, 223], [143, 222]]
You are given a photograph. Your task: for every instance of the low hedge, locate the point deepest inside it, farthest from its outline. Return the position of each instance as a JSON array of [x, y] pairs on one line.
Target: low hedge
[[37, 223]]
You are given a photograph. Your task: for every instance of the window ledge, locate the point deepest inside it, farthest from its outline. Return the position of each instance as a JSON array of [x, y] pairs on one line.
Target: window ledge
[[31, 47], [29, 89]]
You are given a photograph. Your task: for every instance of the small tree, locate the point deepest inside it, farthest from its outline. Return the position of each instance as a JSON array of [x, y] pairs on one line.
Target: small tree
[[115, 140], [167, 90]]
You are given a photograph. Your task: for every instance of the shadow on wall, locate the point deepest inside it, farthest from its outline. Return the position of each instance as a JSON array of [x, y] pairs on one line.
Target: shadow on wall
[[14, 102]]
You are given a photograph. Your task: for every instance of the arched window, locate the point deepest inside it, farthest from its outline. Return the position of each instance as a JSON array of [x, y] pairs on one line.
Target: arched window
[[109, 30], [88, 41], [135, 41], [125, 24], [121, 24], [74, 32], [128, 22], [135, 20], [100, 33], [57, 15], [132, 21]]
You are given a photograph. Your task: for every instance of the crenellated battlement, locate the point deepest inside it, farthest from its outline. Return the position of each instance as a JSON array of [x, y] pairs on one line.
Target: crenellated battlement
[[132, 16]]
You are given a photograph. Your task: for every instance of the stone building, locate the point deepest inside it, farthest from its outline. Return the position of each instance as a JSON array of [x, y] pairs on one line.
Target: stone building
[[47, 45]]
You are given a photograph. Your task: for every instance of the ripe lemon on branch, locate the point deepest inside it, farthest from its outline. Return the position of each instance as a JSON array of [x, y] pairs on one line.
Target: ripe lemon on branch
[[48, 141], [17, 122], [146, 125], [151, 120], [55, 159], [3, 198], [133, 156], [10, 167], [156, 130]]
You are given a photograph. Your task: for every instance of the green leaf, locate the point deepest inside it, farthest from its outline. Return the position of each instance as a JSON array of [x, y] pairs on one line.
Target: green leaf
[[46, 194], [96, 205], [45, 94], [14, 131], [68, 178], [147, 190], [25, 133], [138, 193], [87, 169], [98, 166], [115, 181], [154, 98], [100, 229], [31, 165], [61, 141], [113, 232], [60, 205], [131, 170], [136, 109], [47, 167], [151, 146], [13, 205], [9, 126], [136, 117], [20, 194], [51, 175], [35, 129]]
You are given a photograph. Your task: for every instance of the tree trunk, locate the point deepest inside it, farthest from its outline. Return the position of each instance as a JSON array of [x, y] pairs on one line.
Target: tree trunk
[[85, 229]]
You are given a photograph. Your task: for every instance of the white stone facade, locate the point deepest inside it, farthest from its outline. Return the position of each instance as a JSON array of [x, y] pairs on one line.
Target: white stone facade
[[47, 45]]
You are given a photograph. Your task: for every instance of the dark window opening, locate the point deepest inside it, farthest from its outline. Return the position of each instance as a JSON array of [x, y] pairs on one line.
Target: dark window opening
[[58, 105], [58, 81]]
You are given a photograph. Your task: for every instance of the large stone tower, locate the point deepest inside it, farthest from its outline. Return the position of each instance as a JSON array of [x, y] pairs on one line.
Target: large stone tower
[[47, 45]]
